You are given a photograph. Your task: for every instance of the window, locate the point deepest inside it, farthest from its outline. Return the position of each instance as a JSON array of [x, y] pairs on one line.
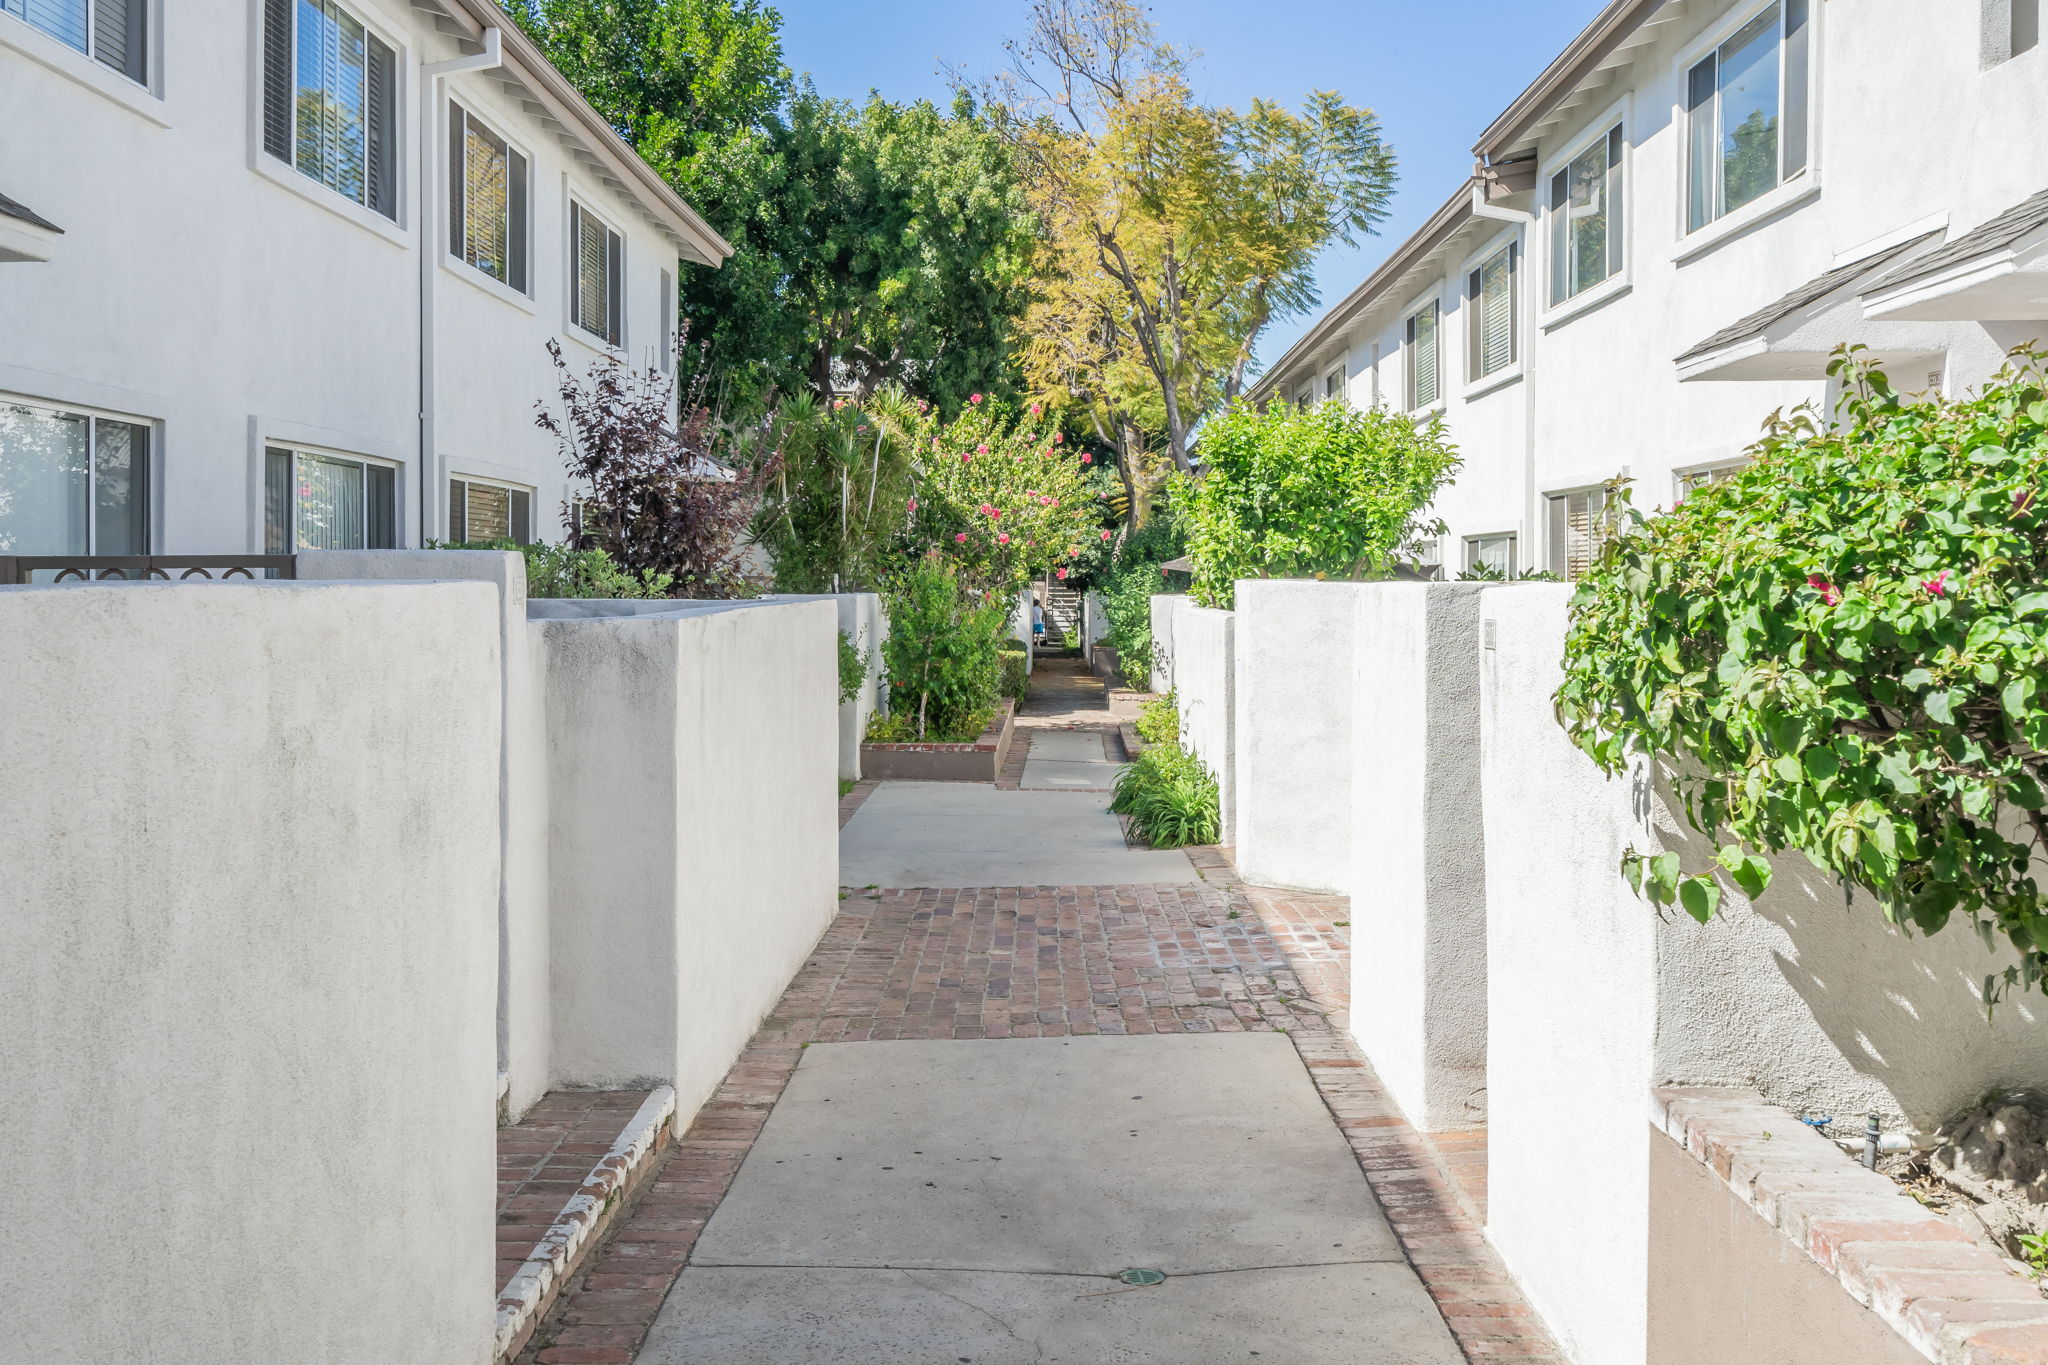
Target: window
[[327, 502], [1491, 555], [330, 100], [1333, 383], [1585, 219], [1492, 292], [1691, 480], [1426, 556], [487, 200], [1578, 529], [72, 483], [1424, 387], [596, 270], [1746, 114], [489, 511], [1305, 395], [113, 32]]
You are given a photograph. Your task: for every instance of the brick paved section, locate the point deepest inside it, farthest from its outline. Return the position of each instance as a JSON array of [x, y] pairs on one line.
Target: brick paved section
[[1050, 962], [544, 1158], [1012, 775], [851, 802]]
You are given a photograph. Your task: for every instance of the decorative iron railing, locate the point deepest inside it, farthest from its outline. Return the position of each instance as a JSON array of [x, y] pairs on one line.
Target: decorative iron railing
[[136, 568]]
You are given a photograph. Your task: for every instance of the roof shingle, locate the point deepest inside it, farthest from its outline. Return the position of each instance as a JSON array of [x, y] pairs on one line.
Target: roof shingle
[[1812, 292]]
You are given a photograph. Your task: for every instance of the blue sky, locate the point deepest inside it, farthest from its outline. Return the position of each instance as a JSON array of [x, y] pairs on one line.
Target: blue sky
[[1436, 72]]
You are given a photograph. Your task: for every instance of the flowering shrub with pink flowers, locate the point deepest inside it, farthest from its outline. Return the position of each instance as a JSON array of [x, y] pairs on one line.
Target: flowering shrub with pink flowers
[[1000, 494], [1843, 649]]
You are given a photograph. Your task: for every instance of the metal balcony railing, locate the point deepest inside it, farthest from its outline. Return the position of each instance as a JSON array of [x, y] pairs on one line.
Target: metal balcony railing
[[136, 568]]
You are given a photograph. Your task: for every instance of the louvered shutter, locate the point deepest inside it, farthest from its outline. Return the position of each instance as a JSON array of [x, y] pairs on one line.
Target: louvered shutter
[[1497, 313], [277, 78], [458, 182], [380, 127], [1422, 358], [520, 517], [615, 288], [517, 210], [119, 39]]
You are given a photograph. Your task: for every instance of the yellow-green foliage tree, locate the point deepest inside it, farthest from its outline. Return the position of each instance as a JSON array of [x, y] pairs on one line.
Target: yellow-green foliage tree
[[1174, 231]]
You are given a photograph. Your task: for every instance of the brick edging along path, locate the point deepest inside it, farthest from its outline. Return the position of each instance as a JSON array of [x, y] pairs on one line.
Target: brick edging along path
[[1117, 959]]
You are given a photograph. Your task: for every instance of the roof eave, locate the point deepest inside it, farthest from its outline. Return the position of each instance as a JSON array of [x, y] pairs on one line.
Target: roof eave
[[1584, 53]]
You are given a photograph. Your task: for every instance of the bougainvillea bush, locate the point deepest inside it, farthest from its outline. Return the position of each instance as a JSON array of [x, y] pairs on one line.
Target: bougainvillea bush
[[999, 494], [1841, 650], [1327, 491]]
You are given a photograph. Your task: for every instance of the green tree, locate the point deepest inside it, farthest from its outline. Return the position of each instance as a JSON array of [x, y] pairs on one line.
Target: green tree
[[1322, 492], [835, 512]]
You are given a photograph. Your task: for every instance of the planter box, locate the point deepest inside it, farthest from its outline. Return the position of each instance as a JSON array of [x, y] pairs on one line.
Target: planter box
[[976, 762]]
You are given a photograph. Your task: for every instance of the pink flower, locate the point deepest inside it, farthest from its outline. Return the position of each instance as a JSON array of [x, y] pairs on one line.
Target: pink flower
[[1937, 585], [995, 513], [1086, 458], [960, 539], [862, 427], [1045, 502], [981, 450], [974, 398], [1105, 535], [838, 403], [913, 504], [1058, 436], [1829, 593], [1003, 539], [1063, 573], [1035, 409], [965, 458], [1073, 553]]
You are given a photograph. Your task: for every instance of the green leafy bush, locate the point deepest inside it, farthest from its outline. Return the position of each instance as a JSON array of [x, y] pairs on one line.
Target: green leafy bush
[[1328, 491], [1016, 662], [943, 654], [1127, 609], [903, 729], [1171, 798], [1159, 721], [559, 571], [833, 515], [853, 668], [1843, 648]]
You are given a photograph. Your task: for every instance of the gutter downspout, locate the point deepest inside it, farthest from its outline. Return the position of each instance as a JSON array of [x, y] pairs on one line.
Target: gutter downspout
[[1482, 209], [492, 57]]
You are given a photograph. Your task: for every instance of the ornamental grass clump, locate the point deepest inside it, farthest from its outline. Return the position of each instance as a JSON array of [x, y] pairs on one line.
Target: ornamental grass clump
[[1841, 650], [1171, 798]]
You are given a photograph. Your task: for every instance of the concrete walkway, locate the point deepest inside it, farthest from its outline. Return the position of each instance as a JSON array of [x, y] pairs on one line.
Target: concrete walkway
[[1027, 1059]]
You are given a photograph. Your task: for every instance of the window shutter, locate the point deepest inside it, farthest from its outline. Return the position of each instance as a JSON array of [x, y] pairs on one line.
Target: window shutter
[[277, 502], [1612, 200], [517, 212], [1792, 134], [520, 517], [458, 182], [615, 288], [119, 39], [380, 496], [277, 81], [380, 127], [1497, 313], [458, 511]]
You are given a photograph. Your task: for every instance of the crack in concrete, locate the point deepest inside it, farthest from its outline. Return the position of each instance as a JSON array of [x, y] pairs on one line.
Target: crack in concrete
[[1033, 1342]]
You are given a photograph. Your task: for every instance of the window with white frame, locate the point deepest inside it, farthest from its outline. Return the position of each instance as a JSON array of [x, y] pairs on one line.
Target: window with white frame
[[1491, 556], [481, 510], [1493, 293], [330, 100], [112, 32], [1746, 113], [1333, 383], [316, 501], [488, 202], [1425, 375], [597, 269], [1690, 481], [1586, 219], [1578, 530], [72, 482], [1305, 395]]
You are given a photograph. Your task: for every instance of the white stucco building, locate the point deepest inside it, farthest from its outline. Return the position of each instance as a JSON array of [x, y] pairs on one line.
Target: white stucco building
[[1670, 230], [278, 274]]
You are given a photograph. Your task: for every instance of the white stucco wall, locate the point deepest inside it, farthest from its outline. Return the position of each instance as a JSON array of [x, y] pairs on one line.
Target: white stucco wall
[[862, 619], [1163, 610], [247, 972], [1571, 1000], [1205, 686], [1418, 874], [1293, 646], [191, 262], [694, 847], [524, 1046]]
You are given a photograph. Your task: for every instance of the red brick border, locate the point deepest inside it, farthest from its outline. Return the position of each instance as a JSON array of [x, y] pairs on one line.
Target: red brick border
[[1012, 775], [853, 799]]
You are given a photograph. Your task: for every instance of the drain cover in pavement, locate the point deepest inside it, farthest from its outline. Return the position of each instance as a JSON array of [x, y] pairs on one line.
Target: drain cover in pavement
[[1135, 1276]]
